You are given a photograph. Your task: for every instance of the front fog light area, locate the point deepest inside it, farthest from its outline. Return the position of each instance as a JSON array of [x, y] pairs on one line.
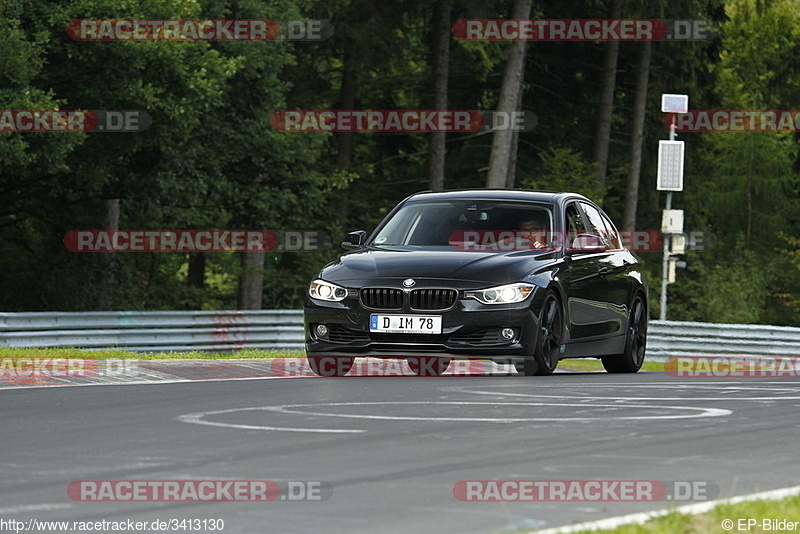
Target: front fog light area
[[322, 290], [507, 294], [507, 334], [321, 330]]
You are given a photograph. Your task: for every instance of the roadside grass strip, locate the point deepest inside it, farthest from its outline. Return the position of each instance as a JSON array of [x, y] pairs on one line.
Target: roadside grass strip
[[23, 367], [766, 511], [587, 364]]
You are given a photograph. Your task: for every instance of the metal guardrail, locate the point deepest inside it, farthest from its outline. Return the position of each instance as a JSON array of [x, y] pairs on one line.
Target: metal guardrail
[[163, 331], [283, 329], [680, 338]]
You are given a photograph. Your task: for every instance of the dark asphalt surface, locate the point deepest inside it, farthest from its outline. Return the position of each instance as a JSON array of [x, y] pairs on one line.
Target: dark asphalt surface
[[409, 441]]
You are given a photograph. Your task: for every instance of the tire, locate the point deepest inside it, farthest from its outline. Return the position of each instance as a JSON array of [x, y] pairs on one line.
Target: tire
[[430, 366], [330, 365], [550, 336], [632, 359]]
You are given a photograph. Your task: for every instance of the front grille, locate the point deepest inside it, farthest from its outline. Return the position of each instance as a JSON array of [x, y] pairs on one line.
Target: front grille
[[433, 299], [382, 298], [340, 334]]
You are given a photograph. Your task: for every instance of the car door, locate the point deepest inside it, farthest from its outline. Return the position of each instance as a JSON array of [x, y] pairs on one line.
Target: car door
[[594, 283], [614, 265]]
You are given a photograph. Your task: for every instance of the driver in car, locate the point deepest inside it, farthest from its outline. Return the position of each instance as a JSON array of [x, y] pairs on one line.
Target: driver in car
[[532, 231]]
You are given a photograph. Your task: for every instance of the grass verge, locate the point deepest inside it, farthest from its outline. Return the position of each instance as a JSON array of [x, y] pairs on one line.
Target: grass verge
[[759, 513], [585, 364]]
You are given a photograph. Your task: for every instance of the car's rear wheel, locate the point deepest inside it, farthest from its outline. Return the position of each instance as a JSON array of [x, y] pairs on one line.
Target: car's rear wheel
[[551, 336], [330, 365], [430, 366], [632, 359]]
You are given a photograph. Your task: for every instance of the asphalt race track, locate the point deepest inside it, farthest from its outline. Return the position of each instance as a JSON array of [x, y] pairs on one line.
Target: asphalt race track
[[392, 448]]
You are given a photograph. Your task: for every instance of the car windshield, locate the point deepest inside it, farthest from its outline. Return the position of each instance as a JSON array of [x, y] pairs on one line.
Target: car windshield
[[479, 225]]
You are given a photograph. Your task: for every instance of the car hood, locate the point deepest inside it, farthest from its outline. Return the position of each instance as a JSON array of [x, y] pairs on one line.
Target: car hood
[[369, 266]]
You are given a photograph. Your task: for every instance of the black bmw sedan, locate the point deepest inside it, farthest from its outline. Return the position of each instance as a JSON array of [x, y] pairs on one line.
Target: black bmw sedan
[[512, 276]]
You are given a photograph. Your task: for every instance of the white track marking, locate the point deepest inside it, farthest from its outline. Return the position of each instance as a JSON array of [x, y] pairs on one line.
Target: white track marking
[[199, 419], [155, 382], [629, 387], [704, 412], [697, 508]]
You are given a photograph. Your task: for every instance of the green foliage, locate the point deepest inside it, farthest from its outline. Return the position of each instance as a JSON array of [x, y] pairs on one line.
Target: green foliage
[[744, 186], [565, 169], [788, 292], [760, 66], [212, 160], [737, 291], [741, 187]]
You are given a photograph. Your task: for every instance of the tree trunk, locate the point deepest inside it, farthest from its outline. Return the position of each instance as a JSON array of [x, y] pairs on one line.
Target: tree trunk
[[509, 95], [105, 298], [251, 281], [602, 134], [344, 140], [441, 59], [511, 177], [637, 137], [196, 277]]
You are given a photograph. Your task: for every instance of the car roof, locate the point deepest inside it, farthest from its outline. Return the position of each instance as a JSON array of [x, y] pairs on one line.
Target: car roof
[[496, 194]]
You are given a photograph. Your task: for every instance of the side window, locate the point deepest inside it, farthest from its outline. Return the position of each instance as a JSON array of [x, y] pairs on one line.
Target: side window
[[598, 226], [613, 235], [574, 224]]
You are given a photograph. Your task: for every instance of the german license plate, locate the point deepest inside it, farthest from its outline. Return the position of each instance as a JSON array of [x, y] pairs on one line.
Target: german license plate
[[406, 324]]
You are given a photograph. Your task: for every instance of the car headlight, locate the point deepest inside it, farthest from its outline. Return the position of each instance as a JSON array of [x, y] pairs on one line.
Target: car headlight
[[322, 290], [507, 294]]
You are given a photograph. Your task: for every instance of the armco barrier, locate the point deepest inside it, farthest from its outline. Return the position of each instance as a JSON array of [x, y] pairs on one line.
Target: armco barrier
[[679, 338], [155, 331], [283, 329]]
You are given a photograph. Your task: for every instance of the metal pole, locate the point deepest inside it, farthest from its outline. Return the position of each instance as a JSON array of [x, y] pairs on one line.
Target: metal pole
[[662, 313]]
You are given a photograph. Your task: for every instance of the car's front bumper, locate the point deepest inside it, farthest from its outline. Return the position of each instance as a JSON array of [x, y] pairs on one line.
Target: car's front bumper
[[469, 330]]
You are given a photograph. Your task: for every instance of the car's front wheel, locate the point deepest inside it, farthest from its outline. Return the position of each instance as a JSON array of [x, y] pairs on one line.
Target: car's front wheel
[[330, 365], [632, 359], [430, 366], [551, 336]]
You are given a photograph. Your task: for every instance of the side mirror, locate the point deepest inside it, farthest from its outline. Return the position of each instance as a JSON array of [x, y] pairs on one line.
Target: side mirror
[[588, 243], [355, 239]]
